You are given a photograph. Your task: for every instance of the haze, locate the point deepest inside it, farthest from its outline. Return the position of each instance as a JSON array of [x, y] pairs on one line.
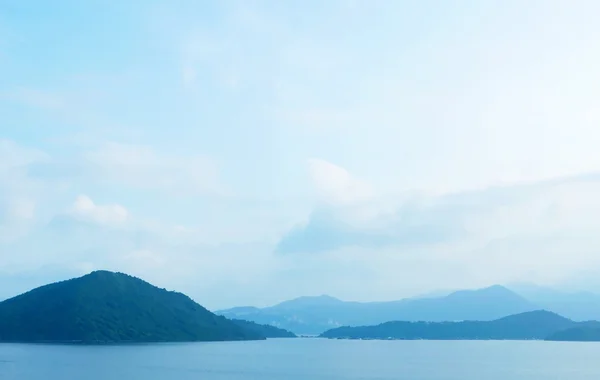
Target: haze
[[248, 152]]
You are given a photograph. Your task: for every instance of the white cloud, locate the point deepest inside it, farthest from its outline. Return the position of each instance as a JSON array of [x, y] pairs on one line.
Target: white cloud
[[545, 232], [351, 200], [336, 185], [84, 208]]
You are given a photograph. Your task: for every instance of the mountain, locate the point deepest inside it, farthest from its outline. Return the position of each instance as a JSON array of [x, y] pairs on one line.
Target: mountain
[[309, 302], [579, 306], [107, 307], [314, 315], [530, 325], [304, 315], [481, 304], [433, 294], [267, 331]]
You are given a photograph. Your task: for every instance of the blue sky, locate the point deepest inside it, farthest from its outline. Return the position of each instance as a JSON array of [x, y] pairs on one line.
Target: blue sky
[[246, 152]]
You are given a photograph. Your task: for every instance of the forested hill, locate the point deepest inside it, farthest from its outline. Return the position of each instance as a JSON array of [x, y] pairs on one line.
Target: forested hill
[[580, 333], [524, 326], [107, 307]]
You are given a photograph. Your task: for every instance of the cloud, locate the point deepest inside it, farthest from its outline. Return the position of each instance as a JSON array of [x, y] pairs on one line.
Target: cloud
[[84, 208], [545, 232], [335, 184], [351, 214], [332, 229], [327, 231], [561, 207]]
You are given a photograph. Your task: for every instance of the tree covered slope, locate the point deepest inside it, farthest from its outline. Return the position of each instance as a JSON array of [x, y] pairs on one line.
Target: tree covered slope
[[111, 307], [530, 325]]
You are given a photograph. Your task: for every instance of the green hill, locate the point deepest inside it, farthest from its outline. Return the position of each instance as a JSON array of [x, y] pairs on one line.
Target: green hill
[[106, 307], [267, 331], [577, 334], [524, 326]]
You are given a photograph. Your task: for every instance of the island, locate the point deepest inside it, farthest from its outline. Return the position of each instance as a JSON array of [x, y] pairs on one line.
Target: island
[[107, 307], [577, 334], [534, 325]]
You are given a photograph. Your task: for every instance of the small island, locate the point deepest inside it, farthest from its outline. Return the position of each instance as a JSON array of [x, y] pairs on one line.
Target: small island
[[534, 325], [577, 334], [107, 307]]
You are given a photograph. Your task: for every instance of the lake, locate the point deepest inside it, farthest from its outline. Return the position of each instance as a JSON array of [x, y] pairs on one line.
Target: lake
[[305, 359]]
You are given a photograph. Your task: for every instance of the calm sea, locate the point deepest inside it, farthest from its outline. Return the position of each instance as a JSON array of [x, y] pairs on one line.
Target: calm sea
[[309, 359]]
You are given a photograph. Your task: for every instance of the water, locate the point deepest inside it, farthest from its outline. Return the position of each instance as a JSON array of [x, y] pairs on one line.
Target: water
[[312, 359]]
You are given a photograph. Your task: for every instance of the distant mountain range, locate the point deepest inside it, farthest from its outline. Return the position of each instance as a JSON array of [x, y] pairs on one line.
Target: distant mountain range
[[539, 325], [314, 315], [107, 307], [579, 306]]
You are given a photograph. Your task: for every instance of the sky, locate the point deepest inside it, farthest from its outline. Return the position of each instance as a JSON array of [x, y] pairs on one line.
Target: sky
[[248, 152]]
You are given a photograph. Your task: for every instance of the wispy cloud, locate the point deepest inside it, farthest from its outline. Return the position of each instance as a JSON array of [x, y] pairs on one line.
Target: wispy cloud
[[86, 209], [526, 217]]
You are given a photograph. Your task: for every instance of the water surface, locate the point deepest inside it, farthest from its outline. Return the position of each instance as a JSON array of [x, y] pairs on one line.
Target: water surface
[[310, 359]]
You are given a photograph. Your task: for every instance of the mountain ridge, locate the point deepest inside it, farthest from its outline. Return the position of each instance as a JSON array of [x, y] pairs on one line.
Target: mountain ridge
[[314, 315], [576, 305], [109, 307]]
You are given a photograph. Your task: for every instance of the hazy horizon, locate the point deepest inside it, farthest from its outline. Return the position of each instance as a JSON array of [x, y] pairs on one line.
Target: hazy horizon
[[246, 153], [518, 288]]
